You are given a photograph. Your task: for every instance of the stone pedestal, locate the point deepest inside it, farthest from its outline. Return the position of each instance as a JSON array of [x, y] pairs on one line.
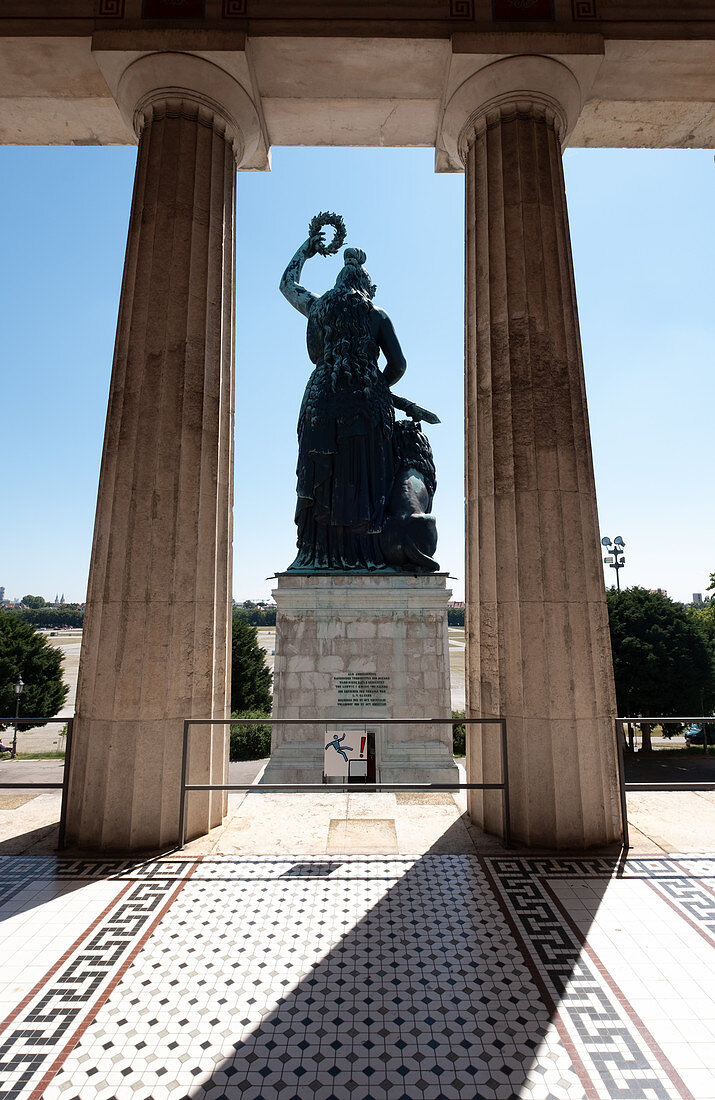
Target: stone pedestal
[[157, 629], [370, 646], [538, 648]]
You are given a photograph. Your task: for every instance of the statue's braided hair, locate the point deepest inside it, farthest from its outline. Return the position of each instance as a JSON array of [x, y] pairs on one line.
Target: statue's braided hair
[[343, 315]]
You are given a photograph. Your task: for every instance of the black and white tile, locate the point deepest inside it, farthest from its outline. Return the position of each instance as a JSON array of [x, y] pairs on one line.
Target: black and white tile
[[357, 978]]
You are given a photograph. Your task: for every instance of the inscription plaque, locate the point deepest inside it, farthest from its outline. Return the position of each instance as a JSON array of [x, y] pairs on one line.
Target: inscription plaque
[[361, 689]]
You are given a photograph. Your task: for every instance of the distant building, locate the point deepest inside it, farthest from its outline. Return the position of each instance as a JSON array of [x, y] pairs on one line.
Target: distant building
[[697, 597], [658, 591], [2, 593]]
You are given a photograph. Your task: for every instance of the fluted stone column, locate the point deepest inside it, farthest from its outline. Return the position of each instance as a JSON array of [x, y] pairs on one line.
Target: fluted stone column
[[538, 648], [156, 642]]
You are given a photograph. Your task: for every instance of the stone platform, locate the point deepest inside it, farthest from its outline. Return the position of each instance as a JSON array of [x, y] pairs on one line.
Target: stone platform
[[368, 645]]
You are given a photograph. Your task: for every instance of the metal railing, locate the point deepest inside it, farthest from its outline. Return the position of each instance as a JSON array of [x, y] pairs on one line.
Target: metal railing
[[632, 785], [187, 788], [696, 785], [347, 788], [69, 722]]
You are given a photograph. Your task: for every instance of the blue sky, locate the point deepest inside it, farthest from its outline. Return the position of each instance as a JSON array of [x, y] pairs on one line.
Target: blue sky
[[641, 224]]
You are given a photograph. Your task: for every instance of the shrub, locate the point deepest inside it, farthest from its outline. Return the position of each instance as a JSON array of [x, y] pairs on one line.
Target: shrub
[[250, 742], [459, 735]]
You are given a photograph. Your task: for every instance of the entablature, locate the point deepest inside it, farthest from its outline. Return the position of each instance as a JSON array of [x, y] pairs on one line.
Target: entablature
[[373, 73]]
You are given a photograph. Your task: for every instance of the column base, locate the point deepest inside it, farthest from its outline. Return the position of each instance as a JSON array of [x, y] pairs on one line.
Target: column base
[[125, 781], [562, 794]]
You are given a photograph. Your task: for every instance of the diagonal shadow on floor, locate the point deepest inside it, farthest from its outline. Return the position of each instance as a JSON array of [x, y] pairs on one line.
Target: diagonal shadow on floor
[[356, 978], [427, 994], [35, 842]]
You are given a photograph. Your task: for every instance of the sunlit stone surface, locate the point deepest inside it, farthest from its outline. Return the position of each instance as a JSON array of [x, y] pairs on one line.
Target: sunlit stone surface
[[157, 627], [538, 648]]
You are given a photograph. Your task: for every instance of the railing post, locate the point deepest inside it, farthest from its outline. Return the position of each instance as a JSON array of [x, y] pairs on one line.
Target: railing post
[[184, 768], [622, 785], [505, 781], [65, 786]]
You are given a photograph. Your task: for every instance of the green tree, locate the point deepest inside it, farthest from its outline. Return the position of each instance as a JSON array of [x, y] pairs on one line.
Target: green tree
[[25, 654], [704, 619], [661, 661], [255, 616], [33, 601], [250, 679], [50, 617]]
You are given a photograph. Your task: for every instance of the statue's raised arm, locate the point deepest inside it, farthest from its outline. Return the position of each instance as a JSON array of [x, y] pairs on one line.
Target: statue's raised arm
[[291, 288]]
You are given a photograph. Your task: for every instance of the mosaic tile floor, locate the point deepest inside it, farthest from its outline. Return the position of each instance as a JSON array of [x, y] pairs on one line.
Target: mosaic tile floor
[[356, 978]]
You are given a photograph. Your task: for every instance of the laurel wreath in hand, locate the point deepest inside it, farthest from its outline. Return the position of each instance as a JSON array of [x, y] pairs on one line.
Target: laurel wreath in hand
[[325, 217]]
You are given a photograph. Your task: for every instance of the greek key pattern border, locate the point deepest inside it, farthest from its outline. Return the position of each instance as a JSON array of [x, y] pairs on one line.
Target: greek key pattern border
[[38, 1034], [461, 9], [610, 1044], [110, 9], [692, 901], [679, 880], [584, 9], [22, 870]]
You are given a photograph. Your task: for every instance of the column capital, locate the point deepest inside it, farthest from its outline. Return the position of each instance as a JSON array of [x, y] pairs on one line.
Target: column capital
[[524, 85], [183, 84]]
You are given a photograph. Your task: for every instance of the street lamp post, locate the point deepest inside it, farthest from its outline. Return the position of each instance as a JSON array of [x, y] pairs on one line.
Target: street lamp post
[[614, 555], [18, 692]]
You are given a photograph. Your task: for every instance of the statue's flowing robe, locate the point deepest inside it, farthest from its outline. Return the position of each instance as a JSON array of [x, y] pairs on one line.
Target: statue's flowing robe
[[346, 464]]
